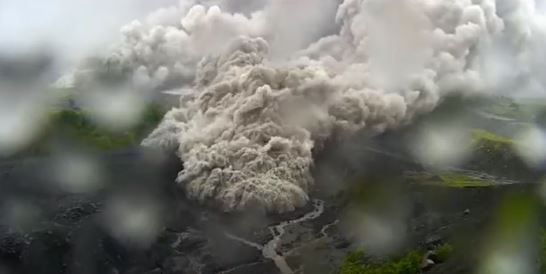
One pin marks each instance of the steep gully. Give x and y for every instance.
(269, 250)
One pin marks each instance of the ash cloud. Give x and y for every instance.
(163, 51)
(264, 87)
(70, 30)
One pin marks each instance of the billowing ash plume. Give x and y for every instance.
(163, 51)
(267, 90)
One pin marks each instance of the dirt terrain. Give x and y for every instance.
(68, 237)
(44, 229)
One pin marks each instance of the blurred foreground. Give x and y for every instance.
(91, 201)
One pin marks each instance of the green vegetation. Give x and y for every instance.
(410, 263)
(79, 127)
(443, 252)
(522, 110)
(489, 142)
(542, 253)
(480, 135)
(75, 126)
(503, 106)
(514, 231)
(496, 154)
(151, 117)
(492, 154)
(462, 181)
(452, 179)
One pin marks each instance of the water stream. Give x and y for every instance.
(269, 250)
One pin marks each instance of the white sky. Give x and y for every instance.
(71, 27)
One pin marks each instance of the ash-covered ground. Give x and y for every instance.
(372, 195)
(299, 136)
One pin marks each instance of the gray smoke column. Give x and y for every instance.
(163, 51)
(247, 128)
(264, 88)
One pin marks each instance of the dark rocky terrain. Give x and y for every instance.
(67, 236)
(52, 231)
